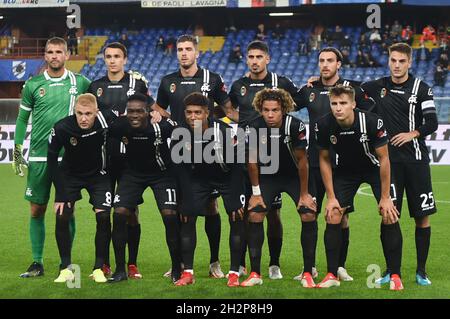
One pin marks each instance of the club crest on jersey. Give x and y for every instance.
(333, 139)
(243, 91)
(130, 92)
(287, 139)
(363, 138)
(73, 141)
(264, 139)
(379, 124)
(205, 87)
(383, 93)
(125, 140)
(312, 97)
(99, 92)
(73, 90)
(172, 88)
(41, 92)
(412, 99)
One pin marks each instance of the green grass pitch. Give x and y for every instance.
(153, 259)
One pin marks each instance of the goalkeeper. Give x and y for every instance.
(48, 97)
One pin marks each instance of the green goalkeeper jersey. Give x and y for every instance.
(48, 100)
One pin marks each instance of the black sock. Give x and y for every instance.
(119, 239)
(213, 229)
(244, 245)
(63, 239)
(255, 242)
(423, 236)
(134, 237)
(188, 235)
(392, 241)
(236, 243)
(344, 247)
(333, 243)
(309, 242)
(172, 227)
(274, 240)
(102, 236)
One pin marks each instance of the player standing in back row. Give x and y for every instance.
(48, 97)
(173, 89)
(406, 105)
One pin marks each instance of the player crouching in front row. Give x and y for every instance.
(83, 137)
(360, 140)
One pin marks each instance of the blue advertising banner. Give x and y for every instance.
(427, 3)
(19, 70)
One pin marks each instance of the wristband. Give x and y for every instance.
(256, 190)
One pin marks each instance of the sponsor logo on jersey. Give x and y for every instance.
(363, 138)
(99, 92)
(41, 92)
(312, 97)
(243, 91)
(172, 88)
(73, 141)
(333, 139)
(302, 126)
(398, 91)
(383, 92)
(125, 140)
(412, 99)
(379, 124)
(73, 90)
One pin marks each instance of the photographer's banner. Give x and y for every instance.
(19, 70)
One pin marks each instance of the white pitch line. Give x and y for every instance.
(362, 188)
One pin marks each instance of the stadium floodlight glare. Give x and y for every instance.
(281, 14)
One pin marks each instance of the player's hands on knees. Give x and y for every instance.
(255, 201)
(59, 207)
(403, 138)
(237, 215)
(19, 163)
(311, 80)
(332, 206)
(155, 117)
(307, 201)
(388, 210)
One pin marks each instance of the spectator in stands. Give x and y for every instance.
(360, 60)
(235, 54)
(72, 41)
(303, 46)
(423, 54)
(160, 44)
(386, 43)
(170, 44)
(260, 32)
(363, 43)
(278, 32)
(386, 30)
(316, 38)
(443, 60)
(346, 59)
(440, 75)
(125, 41)
(375, 36)
(428, 34)
(396, 30)
(338, 36)
(407, 35)
(443, 47)
(370, 60)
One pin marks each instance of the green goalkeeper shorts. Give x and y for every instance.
(38, 183)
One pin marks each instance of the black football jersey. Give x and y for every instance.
(354, 146)
(317, 101)
(84, 150)
(402, 107)
(243, 92)
(291, 136)
(174, 88)
(147, 150)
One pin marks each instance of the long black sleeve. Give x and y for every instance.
(54, 147)
(430, 125)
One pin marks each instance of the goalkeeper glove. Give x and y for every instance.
(19, 162)
(138, 76)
